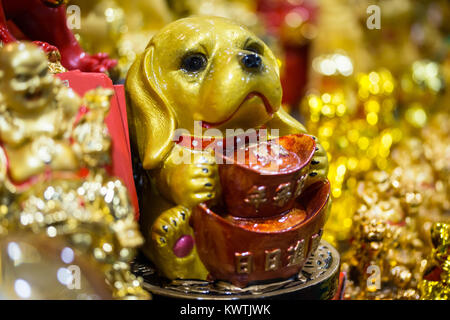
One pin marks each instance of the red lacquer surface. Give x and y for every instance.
(219, 239)
(116, 121)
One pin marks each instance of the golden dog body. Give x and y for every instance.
(204, 69)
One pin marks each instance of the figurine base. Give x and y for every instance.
(318, 280)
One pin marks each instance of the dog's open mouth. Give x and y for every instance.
(251, 95)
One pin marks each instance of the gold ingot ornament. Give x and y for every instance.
(210, 70)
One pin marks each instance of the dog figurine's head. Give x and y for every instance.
(206, 69)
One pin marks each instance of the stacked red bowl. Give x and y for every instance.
(268, 224)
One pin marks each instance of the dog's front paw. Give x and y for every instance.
(195, 183)
(173, 239)
(319, 165)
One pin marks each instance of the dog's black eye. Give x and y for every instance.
(194, 62)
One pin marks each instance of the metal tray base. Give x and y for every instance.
(318, 280)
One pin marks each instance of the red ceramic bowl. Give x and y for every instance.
(254, 188)
(245, 251)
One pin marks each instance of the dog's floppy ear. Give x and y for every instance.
(151, 120)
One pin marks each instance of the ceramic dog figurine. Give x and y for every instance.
(204, 69)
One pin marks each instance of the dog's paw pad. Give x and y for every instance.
(183, 246)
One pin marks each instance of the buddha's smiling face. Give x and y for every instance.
(25, 82)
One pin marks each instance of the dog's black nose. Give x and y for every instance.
(252, 62)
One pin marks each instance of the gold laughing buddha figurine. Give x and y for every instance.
(205, 69)
(37, 111)
(53, 179)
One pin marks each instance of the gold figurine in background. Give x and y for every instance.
(385, 245)
(241, 11)
(436, 282)
(120, 28)
(37, 112)
(52, 167)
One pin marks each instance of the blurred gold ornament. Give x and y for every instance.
(354, 123)
(52, 167)
(120, 28)
(333, 64)
(394, 119)
(54, 62)
(35, 266)
(421, 88)
(241, 11)
(426, 74)
(383, 235)
(424, 166)
(416, 193)
(436, 283)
